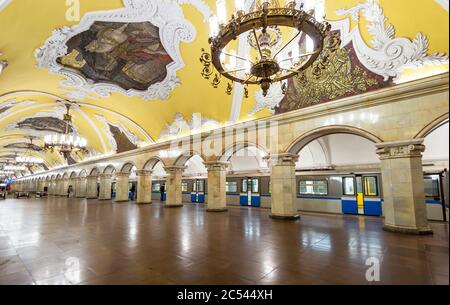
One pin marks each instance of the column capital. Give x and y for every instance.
(174, 169)
(216, 165)
(400, 149)
(282, 159)
(105, 175)
(121, 174)
(143, 172)
(92, 177)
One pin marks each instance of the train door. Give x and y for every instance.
(434, 200)
(250, 195)
(361, 195)
(132, 190)
(113, 189)
(198, 191)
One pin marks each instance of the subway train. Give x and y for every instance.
(330, 192)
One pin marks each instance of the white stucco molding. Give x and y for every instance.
(173, 28)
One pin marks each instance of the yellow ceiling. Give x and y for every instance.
(27, 24)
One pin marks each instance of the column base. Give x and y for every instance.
(285, 217)
(149, 202)
(412, 231)
(91, 197)
(104, 199)
(216, 210)
(172, 205)
(119, 201)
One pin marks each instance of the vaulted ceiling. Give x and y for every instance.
(133, 67)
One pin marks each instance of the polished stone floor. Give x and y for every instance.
(74, 241)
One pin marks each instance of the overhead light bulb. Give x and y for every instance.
(222, 11)
(239, 5)
(213, 26)
(319, 10)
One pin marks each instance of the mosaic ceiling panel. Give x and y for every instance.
(130, 55)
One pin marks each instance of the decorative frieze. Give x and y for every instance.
(401, 149)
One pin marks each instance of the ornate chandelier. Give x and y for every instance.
(284, 42)
(67, 142)
(29, 160)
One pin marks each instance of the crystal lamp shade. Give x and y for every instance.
(30, 160)
(65, 140)
(14, 168)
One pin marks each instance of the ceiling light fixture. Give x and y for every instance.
(276, 55)
(29, 160)
(68, 141)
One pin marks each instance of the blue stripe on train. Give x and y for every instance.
(316, 197)
(255, 201)
(349, 207)
(373, 208)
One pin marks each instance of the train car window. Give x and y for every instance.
(348, 184)
(244, 185)
(156, 187)
(255, 186)
(184, 187)
(200, 185)
(231, 187)
(431, 187)
(313, 187)
(370, 186)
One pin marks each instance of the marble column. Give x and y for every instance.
(105, 186)
(122, 187)
(54, 187)
(217, 178)
(91, 187)
(64, 187)
(403, 186)
(173, 186)
(144, 186)
(58, 187)
(80, 187)
(283, 186)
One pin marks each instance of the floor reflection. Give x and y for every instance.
(74, 241)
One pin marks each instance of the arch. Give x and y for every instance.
(296, 146)
(432, 126)
(54, 177)
(228, 152)
(110, 169)
(82, 173)
(65, 176)
(94, 172)
(48, 178)
(186, 155)
(437, 145)
(73, 174)
(59, 176)
(127, 167)
(151, 163)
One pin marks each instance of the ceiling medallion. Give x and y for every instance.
(66, 142)
(276, 55)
